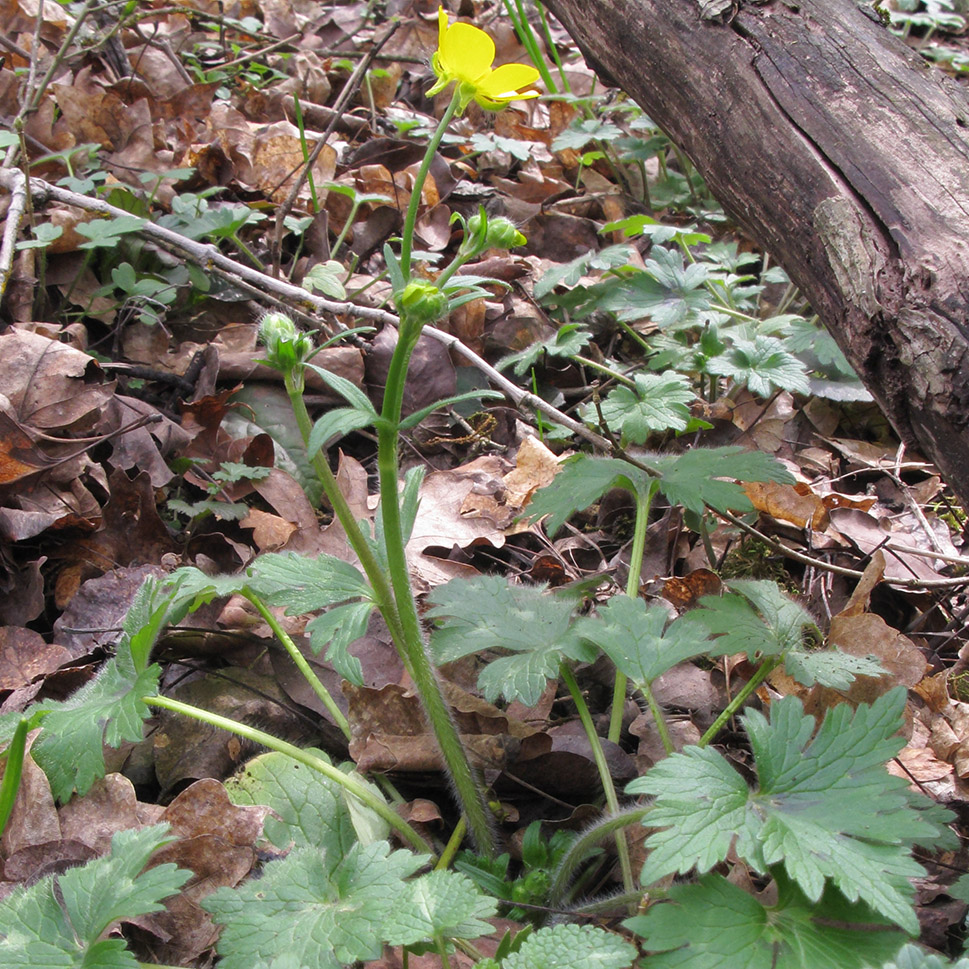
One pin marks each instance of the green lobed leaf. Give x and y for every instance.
(107, 710)
(567, 946)
(108, 232)
(568, 274)
(694, 478)
(336, 629)
(829, 667)
(763, 365)
(57, 922)
(145, 621)
(568, 341)
(309, 808)
(582, 481)
(775, 626)
(716, 925)
(304, 584)
(440, 904)
(664, 290)
(487, 612)
(825, 806)
(313, 908)
(659, 402)
(327, 278)
(634, 636)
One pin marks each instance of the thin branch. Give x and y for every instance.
(11, 226)
(261, 284)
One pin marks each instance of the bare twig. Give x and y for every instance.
(267, 287)
(11, 226)
(7, 44)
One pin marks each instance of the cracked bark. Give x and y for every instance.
(841, 152)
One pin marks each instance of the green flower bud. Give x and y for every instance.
(495, 233)
(502, 234)
(421, 303)
(286, 347)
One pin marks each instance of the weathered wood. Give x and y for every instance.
(841, 152)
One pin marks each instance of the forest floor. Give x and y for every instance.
(140, 431)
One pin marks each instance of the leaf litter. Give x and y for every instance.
(140, 432)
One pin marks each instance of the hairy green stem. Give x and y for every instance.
(765, 670)
(581, 848)
(643, 504)
(302, 665)
(383, 593)
(410, 220)
(414, 653)
(352, 786)
(605, 776)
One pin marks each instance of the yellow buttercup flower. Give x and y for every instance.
(464, 55)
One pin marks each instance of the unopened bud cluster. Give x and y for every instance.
(286, 346)
(499, 232)
(420, 303)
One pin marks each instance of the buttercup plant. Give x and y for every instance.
(464, 57)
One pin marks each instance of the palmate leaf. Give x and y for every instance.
(694, 478)
(658, 402)
(664, 290)
(825, 807)
(568, 946)
(303, 584)
(57, 922)
(775, 626)
(440, 904)
(568, 340)
(107, 710)
(487, 612)
(313, 908)
(568, 274)
(829, 667)
(632, 635)
(582, 481)
(336, 629)
(763, 364)
(716, 925)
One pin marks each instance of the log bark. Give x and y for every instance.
(841, 152)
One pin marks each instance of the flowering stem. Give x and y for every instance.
(410, 220)
(413, 650)
(383, 593)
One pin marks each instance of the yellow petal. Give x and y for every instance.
(503, 82)
(441, 26)
(466, 52)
